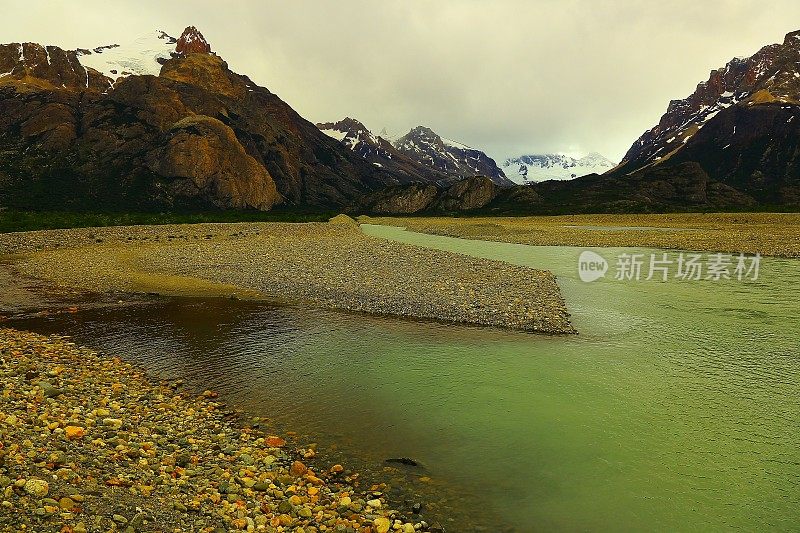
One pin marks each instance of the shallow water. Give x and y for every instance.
(676, 408)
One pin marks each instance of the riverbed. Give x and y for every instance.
(675, 408)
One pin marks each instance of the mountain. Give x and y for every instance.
(741, 126)
(452, 158)
(379, 151)
(421, 154)
(32, 66)
(543, 167)
(196, 136)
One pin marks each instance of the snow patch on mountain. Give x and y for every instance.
(144, 55)
(543, 167)
(335, 134)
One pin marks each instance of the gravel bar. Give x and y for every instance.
(330, 265)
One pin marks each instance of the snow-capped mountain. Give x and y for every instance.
(144, 55)
(453, 158)
(543, 167)
(421, 154)
(358, 138)
(379, 151)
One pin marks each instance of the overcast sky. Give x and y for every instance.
(505, 76)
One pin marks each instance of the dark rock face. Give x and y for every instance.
(755, 149)
(465, 195)
(199, 136)
(682, 187)
(380, 152)
(399, 199)
(740, 127)
(428, 148)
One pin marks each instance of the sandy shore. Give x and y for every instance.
(89, 443)
(769, 234)
(330, 265)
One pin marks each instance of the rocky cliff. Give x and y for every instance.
(465, 195)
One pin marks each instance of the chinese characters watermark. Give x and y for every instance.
(664, 266)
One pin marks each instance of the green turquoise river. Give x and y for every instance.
(676, 408)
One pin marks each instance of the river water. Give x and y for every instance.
(676, 408)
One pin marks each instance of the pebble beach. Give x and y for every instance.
(90, 443)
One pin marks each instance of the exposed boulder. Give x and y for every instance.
(466, 195)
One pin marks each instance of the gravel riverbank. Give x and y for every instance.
(331, 265)
(89, 443)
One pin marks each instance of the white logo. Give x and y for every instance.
(591, 266)
(681, 266)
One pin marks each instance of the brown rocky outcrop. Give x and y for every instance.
(399, 199)
(465, 195)
(203, 158)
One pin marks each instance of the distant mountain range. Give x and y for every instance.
(421, 153)
(543, 167)
(163, 123)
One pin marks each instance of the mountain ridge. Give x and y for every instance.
(424, 154)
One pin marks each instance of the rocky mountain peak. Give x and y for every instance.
(423, 132)
(346, 125)
(379, 151)
(452, 158)
(192, 41)
(792, 39)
